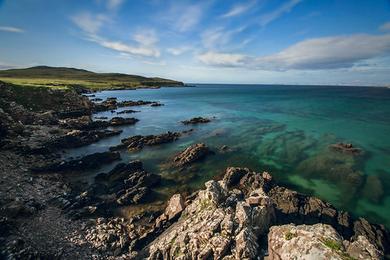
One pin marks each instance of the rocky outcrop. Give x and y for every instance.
(127, 111)
(219, 223)
(91, 161)
(112, 104)
(346, 148)
(86, 123)
(196, 120)
(318, 241)
(139, 141)
(191, 154)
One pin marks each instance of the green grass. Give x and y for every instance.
(289, 235)
(54, 77)
(337, 247)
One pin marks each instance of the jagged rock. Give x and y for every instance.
(90, 161)
(129, 182)
(196, 120)
(138, 142)
(319, 241)
(86, 123)
(127, 111)
(376, 234)
(210, 227)
(361, 248)
(192, 154)
(346, 148)
(118, 121)
(175, 206)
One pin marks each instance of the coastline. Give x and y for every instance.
(30, 196)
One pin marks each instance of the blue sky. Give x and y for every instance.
(250, 41)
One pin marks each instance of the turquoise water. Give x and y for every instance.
(285, 130)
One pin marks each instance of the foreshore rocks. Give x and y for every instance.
(91, 161)
(127, 111)
(192, 154)
(196, 120)
(86, 123)
(231, 218)
(137, 142)
(111, 104)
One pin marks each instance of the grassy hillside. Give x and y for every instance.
(59, 77)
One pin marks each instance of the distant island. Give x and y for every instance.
(62, 77)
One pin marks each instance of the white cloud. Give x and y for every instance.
(146, 37)
(90, 23)
(285, 8)
(114, 4)
(385, 27)
(179, 50)
(223, 59)
(313, 54)
(140, 50)
(11, 29)
(238, 9)
(188, 18)
(218, 36)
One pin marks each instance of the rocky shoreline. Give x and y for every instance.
(243, 215)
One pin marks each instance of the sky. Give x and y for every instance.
(343, 42)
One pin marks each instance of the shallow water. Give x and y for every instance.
(285, 130)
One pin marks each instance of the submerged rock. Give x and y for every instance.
(346, 148)
(196, 120)
(192, 154)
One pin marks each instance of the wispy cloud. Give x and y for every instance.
(90, 23)
(238, 9)
(11, 29)
(285, 8)
(385, 27)
(223, 59)
(144, 40)
(313, 54)
(146, 37)
(114, 4)
(137, 50)
(215, 37)
(188, 18)
(179, 50)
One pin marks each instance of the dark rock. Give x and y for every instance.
(91, 161)
(376, 234)
(192, 154)
(156, 104)
(196, 120)
(118, 121)
(127, 111)
(346, 148)
(138, 142)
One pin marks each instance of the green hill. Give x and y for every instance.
(70, 77)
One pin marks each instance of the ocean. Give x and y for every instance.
(285, 130)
